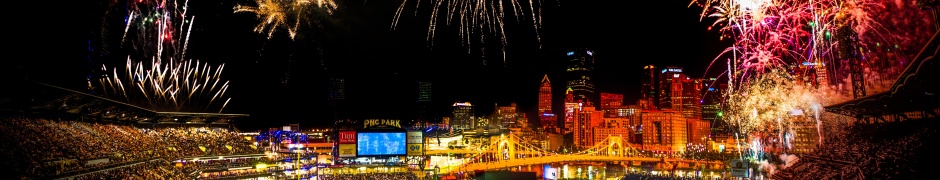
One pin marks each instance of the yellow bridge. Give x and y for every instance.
(507, 151)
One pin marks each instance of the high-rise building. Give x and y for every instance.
(712, 92)
(665, 90)
(424, 91)
(337, 98)
(549, 123)
(571, 107)
(611, 103)
(687, 97)
(463, 116)
(588, 118)
(663, 130)
(424, 101)
(580, 71)
(649, 96)
(337, 89)
(506, 115)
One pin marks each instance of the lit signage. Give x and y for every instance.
(347, 137)
(463, 104)
(347, 150)
(415, 137)
(548, 114)
(711, 89)
(415, 149)
(674, 70)
(381, 122)
(590, 53)
(570, 53)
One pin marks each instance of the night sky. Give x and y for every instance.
(281, 81)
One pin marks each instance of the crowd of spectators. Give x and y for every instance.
(155, 169)
(871, 151)
(371, 176)
(48, 148)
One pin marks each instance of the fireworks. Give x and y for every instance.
(790, 58)
(161, 28)
(287, 14)
(476, 18)
(184, 86)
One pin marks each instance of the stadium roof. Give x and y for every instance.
(52, 101)
(916, 90)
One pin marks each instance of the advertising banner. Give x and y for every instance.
(415, 149)
(415, 137)
(739, 168)
(347, 137)
(347, 150)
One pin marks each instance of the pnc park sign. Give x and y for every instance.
(381, 123)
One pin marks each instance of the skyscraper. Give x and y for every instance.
(424, 101)
(463, 116)
(547, 119)
(337, 97)
(649, 98)
(687, 97)
(580, 71)
(665, 90)
(424, 91)
(571, 108)
(712, 92)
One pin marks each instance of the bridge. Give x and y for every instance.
(507, 151)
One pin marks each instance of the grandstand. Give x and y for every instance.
(58, 133)
(894, 136)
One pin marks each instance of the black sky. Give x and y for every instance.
(280, 80)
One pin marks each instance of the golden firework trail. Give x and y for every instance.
(286, 14)
(475, 19)
(170, 86)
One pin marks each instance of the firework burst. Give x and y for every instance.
(170, 86)
(477, 18)
(159, 30)
(286, 14)
(777, 41)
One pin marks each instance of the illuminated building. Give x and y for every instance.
(580, 70)
(712, 92)
(424, 101)
(586, 120)
(610, 103)
(663, 130)
(549, 123)
(463, 116)
(665, 90)
(570, 108)
(611, 100)
(687, 97)
(424, 91)
(698, 131)
(506, 115)
(649, 97)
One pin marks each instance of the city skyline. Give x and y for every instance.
(281, 81)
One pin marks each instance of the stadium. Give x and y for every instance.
(58, 133)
